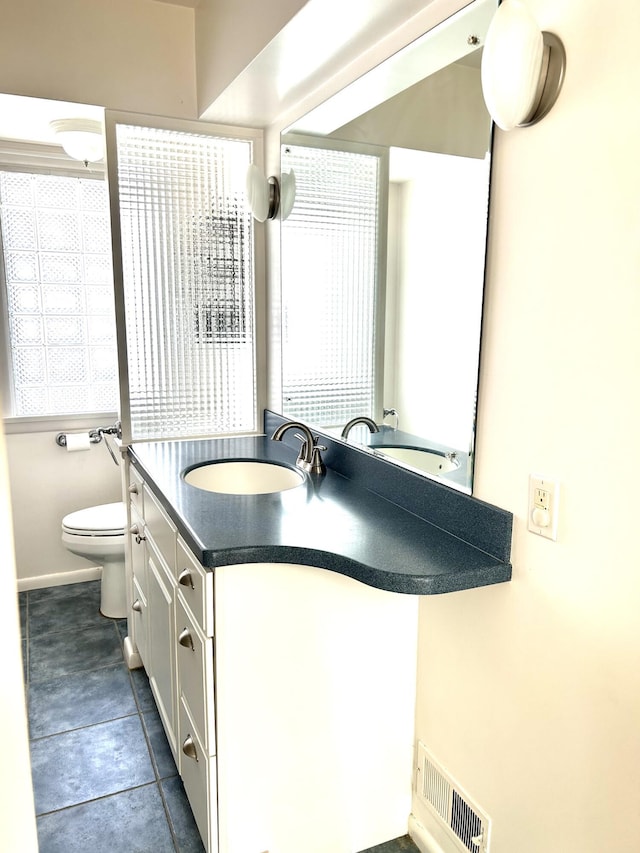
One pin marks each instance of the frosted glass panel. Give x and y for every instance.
(60, 300)
(187, 246)
(329, 257)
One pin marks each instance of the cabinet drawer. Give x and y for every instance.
(199, 778)
(195, 675)
(160, 529)
(196, 586)
(135, 489)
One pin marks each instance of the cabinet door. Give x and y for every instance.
(195, 675)
(138, 623)
(199, 777)
(137, 642)
(161, 652)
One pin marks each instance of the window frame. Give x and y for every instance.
(44, 160)
(381, 271)
(256, 139)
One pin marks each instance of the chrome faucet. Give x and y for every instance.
(372, 425)
(309, 458)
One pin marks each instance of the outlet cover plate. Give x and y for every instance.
(542, 507)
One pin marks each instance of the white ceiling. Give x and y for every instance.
(27, 119)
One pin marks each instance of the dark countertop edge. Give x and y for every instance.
(493, 572)
(408, 584)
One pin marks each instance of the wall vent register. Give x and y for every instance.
(466, 825)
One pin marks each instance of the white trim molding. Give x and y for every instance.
(60, 578)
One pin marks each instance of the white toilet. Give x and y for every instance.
(97, 533)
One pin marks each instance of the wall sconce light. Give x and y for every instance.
(522, 67)
(263, 194)
(81, 138)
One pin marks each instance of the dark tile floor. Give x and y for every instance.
(103, 775)
(104, 778)
(398, 845)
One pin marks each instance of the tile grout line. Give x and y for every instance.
(81, 728)
(154, 764)
(96, 799)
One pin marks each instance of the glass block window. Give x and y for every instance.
(56, 248)
(329, 275)
(187, 247)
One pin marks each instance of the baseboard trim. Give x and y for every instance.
(93, 573)
(422, 838)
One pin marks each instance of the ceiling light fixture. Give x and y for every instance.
(81, 138)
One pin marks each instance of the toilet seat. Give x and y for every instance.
(103, 520)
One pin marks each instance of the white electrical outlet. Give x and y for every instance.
(544, 498)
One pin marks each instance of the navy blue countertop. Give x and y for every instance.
(332, 521)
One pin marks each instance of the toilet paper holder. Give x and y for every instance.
(95, 435)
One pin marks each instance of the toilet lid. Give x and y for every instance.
(103, 520)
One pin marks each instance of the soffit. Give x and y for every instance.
(318, 45)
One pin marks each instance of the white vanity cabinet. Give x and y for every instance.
(139, 628)
(136, 645)
(171, 628)
(160, 587)
(196, 694)
(287, 693)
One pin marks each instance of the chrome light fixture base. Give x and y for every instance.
(274, 197)
(554, 60)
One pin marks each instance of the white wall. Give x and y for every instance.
(438, 296)
(229, 35)
(17, 821)
(47, 482)
(529, 693)
(132, 55)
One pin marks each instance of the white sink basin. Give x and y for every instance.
(425, 460)
(243, 477)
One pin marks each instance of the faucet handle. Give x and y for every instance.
(303, 448)
(317, 465)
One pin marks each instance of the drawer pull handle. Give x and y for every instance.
(189, 748)
(185, 639)
(133, 489)
(185, 578)
(137, 606)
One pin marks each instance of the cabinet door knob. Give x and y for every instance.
(185, 578)
(134, 530)
(137, 606)
(133, 489)
(185, 639)
(189, 748)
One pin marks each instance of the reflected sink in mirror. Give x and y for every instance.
(429, 461)
(243, 477)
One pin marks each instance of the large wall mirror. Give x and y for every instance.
(384, 219)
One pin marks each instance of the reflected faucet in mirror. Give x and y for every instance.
(393, 413)
(372, 425)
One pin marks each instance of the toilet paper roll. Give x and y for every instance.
(78, 441)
